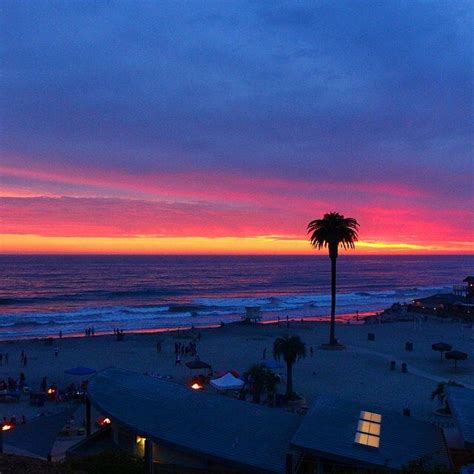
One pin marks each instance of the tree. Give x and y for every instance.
(291, 349)
(271, 381)
(330, 232)
(256, 380)
(439, 393)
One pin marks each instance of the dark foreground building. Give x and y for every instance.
(184, 430)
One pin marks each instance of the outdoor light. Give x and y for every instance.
(103, 421)
(196, 386)
(6, 427)
(140, 440)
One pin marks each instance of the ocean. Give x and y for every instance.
(41, 295)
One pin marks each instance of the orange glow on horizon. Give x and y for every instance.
(260, 245)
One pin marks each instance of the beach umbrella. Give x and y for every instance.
(197, 364)
(455, 355)
(272, 364)
(81, 371)
(442, 347)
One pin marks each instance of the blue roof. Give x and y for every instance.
(38, 436)
(329, 430)
(461, 403)
(211, 425)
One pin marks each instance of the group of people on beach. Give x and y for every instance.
(89, 331)
(13, 421)
(180, 350)
(10, 385)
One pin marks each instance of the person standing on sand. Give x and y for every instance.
(311, 351)
(264, 355)
(25, 361)
(56, 351)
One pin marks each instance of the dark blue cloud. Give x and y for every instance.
(315, 90)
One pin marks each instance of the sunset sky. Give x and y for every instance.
(224, 127)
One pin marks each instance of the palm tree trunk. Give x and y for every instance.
(289, 380)
(332, 333)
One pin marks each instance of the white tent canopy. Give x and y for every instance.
(227, 382)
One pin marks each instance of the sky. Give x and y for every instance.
(225, 127)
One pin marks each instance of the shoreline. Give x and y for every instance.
(344, 318)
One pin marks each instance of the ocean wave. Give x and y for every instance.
(201, 310)
(93, 295)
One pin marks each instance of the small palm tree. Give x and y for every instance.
(331, 231)
(292, 349)
(256, 379)
(439, 393)
(271, 381)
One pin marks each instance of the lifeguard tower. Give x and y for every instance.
(253, 314)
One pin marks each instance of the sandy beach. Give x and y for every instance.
(360, 372)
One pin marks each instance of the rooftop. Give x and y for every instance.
(441, 298)
(332, 429)
(204, 423)
(461, 402)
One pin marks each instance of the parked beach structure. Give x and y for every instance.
(179, 428)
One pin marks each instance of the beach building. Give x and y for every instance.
(348, 435)
(460, 401)
(182, 429)
(459, 303)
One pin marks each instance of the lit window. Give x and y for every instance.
(368, 429)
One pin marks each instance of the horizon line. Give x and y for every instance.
(88, 254)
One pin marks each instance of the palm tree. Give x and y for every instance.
(256, 379)
(292, 349)
(331, 231)
(439, 393)
(271, 381)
